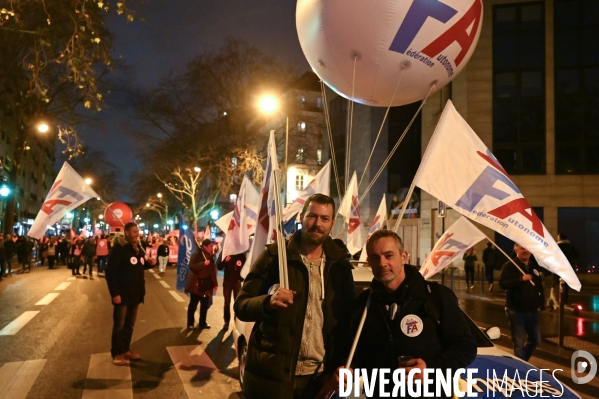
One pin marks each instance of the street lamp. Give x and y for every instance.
(43, 127)
(197, 170)
(268, 104)
(100, 217)
(4, 190)
(88, 181)
(159, 195)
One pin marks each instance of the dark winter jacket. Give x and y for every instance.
(274, 344)
(490, 257)
(520, 295)
(125, 272)
(89, 248)
(232, 268)
(442, 338)
(163, 250)
(201, 279)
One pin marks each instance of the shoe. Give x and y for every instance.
(226, 326)
(120, 360)
(472, 287)
(490, 287)
(205, 326)
(191, 327)
(132, 356)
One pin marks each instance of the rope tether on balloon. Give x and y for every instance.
(350, 120)
(396, 145)
(382, 125)
(330, 135)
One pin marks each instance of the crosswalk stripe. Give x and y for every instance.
(72, 278)
(164, 284)
(17, 378)
(14, 326)
(177, 296)
(157, 276)
(62, 286)
(47, 299)
(151, 271)
(107, 381)
(194, 365)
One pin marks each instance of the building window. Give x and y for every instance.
(519, 87)
(576, 87)
(319, 157)
(299, 182)
(301, 126)
(299, 157)
(233, 198)
(581, 226)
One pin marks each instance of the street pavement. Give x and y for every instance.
(55, 340)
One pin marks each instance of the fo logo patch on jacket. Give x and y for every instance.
(411, 325)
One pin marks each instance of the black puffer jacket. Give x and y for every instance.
(520, 295)
(274, 344)
(125, 272)
(447, 344)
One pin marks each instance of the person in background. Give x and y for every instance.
(469, 260)
(63, 249)
(490, 259)
(25, 249)
(10, 247)
(102, 249)
(2, 256)
(523, 301)
(51, 253)
(162, 255)
(75, 255)
(232, 266)
(201, 283)
(89, 252)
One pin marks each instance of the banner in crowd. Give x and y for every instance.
(242, 220)
(377, 224)
(321, 184)
(187, 246)
(67, 193)
(451, 246)
(350, 210)
(459, 170)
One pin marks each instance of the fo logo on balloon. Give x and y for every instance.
(411, 45)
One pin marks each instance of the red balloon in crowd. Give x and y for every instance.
(116, 211)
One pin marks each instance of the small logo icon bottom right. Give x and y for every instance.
(580, 366)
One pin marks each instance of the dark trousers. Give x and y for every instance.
(51, 260)
(524, 323)
(123, 318)
(228, 289)
(194, 299)
(2, 268)
(101, 263)
(469, 275)
(76, 265)
(89, 260)
(489, 273)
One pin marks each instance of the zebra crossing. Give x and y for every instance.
(198, 375)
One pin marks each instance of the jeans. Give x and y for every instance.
(489, 273)
(524, 323)
(203, 300)
(228, 289)
(162, 262)
(123, 318)
(101, 263)
(469, 275)
(89, 260)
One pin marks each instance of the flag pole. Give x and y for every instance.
(405, 206)
(283, 275)
(511, 260)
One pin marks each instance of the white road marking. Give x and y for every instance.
(164, 284)
(62, 286)
(19, 323)
(157, 276)
(177, 296)
(105, 380)
(198, 373)
(72, 278)
(151, 271)
(47, 299)
(17, 378)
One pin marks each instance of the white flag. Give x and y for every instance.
(451, 246)
(238, 239)
(350, 211)
(319, 185)
(459, 170)
(264, 225)
(67, 193)
(377, 224)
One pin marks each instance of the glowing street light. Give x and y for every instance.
(268, 104)
(197, 170)
(69, 215)
(170, 222)
(156, 226)
(100, 217)
(147, 204)
(159, 195)
(88, 181)
(43, 127)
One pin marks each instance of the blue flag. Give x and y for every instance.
(187, 246)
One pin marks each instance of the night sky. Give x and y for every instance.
(166, 34)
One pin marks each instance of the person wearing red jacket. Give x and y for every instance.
(201, 283)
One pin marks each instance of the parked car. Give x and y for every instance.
(489, 358)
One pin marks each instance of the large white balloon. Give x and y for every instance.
(430, 40)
